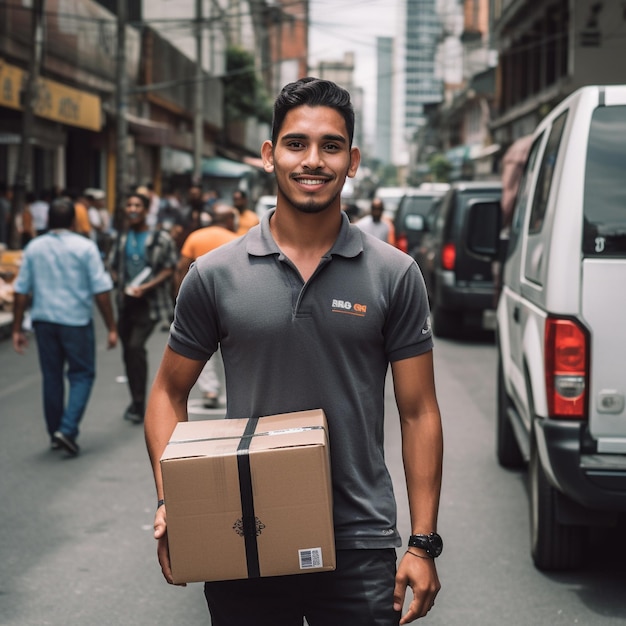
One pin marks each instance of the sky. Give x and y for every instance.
(339, 26)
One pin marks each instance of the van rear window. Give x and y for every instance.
(605, 191)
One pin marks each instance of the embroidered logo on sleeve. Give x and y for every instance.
(426, 330)
(345, 306)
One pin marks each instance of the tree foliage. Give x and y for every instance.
(440, 168)
(244, 94)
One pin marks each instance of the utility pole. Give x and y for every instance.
(121, 107)
(198, 124)
(23, 172)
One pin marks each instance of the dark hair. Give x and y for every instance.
(312, 92)
(144, 199)
(61, 214)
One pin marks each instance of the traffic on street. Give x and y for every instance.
(77, 545)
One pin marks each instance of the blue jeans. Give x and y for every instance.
(58, 346)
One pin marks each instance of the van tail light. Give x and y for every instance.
(448, 256)
(567, 368)
(402, 243)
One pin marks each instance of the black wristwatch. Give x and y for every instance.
(432, 544)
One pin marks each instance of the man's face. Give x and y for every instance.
(239, 201)
(311, 158)
(135, 211)
(377, 210)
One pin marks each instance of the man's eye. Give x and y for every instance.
(331, 147)
(296, 145)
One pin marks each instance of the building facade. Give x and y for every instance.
(546, 51)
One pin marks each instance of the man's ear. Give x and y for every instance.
(267, 154)
(355, 160)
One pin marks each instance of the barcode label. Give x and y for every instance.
(310, 558)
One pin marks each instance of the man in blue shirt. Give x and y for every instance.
(63, 272)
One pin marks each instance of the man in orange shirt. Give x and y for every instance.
(82, 224)
(247, 217)
(223, 229)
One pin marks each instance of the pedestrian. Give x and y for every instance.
(222, 230)
(24, 220)
(170, 219)
(247, 217)
(63, 273)
(376, 224)
(309, 312)
(83, 225)
(192, 210)
(39, 210)
(142, 264)
(99, 219)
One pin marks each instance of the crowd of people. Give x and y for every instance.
(73, 256)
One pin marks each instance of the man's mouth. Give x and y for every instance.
(311, 182)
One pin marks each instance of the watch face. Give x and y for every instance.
(436, 545)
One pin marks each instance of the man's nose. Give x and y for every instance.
(313, 158)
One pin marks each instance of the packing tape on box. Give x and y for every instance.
(268, 433)
(247, 499)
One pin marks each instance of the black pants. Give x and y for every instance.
(134, 328)
(358, 593)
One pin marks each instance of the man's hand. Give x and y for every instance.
(421, 575)
(111, 339)
(163, 550)
(20, 341)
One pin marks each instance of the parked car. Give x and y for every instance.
(560, 325)
(459, 282)
(410, 217)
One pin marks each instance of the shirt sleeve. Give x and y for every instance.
(100, 278)
(407, 330)
(194, 332)
(23, 284)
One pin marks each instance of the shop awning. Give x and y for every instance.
(148, 131)
(219, 167)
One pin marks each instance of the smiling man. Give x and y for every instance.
(309, 312)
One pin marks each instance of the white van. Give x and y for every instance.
(561, 325)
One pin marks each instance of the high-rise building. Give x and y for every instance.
(384, 100)
(417, 81)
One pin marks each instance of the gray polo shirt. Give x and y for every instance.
(291, 346)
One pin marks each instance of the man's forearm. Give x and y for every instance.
(103, 302)
(422, 451)
(20, 302)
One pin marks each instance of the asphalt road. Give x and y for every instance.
(76, 545)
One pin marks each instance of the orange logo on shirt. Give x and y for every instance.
(345, 306)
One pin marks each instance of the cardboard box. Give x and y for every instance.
(249, 497)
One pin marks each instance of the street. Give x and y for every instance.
(77, 547)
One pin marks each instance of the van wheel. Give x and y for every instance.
(445, 323)
(507, 448)
(554, 546)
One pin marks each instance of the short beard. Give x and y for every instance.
(310, 207)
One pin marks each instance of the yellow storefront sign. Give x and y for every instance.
(54, 101)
